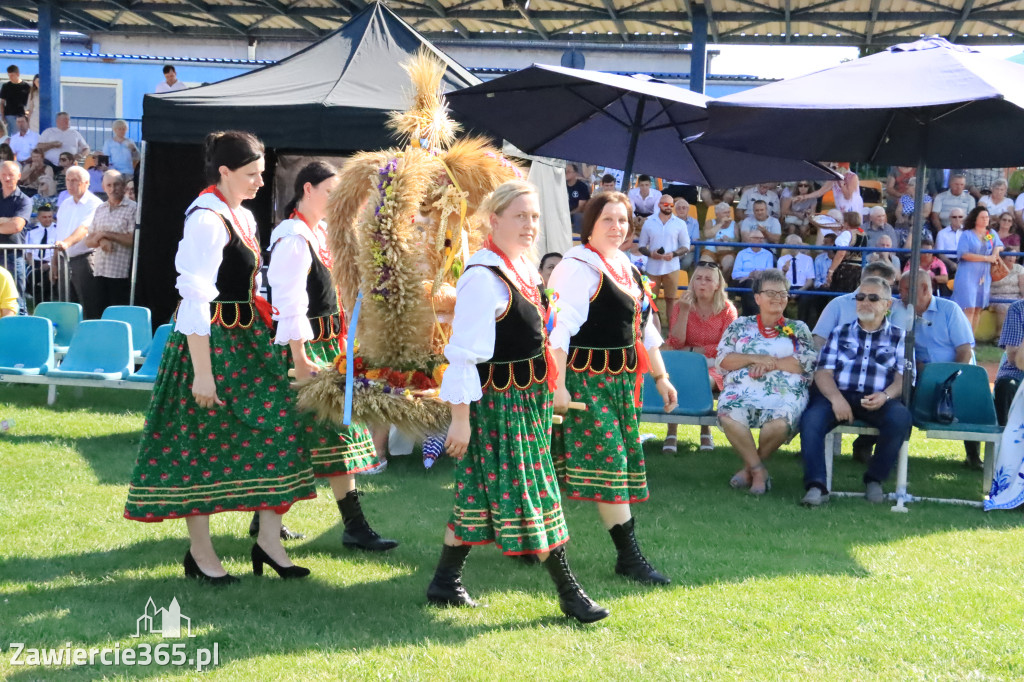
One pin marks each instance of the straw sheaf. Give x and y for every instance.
(392, 331)
(324, 396)
(479, 169)
(348, 203)
(427, 118)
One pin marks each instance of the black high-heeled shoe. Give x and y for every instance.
(260, 557)
(192, 570)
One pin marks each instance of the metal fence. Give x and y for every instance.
(96, 131)
(40, 271)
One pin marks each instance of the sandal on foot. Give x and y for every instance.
(741, 479)
(756, 489)
(670, 444)
(707, 442)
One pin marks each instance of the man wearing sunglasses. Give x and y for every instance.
(859, 376)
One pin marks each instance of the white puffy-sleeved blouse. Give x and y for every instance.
(199, 256)
(575, 280)
(480, 297)
(290, 262)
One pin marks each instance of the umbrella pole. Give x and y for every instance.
(916, 225)
(634, 136)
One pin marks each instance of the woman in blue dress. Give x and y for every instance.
(978, 249)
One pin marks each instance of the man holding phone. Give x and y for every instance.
(663, 239)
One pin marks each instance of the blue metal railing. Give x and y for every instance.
(96, 131)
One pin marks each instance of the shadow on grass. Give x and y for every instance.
(71, 398)
(110, 456)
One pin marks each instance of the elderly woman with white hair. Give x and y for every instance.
(997, 203)
(722, 228)
(74, 218)
(122, 151)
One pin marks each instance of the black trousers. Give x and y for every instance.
(112, 291)
(1005, 390)
(83, 287)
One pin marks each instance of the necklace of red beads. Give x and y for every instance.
(527, 289)
(320, 234)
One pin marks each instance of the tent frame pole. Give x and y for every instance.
(634, 136)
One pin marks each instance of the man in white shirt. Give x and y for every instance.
(948, 239)
(23, 140)
(762, 192)
(62, 138)
(749, 262)
(956, 196)
(44, 232)
(171, 82)
(761, 221)
(74, 218)
(663, 238)
(798, 268)
(644, 199)
(682, 211)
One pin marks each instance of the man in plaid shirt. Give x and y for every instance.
(859, 376)
(112, 236)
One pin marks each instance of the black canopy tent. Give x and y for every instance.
(331, 98)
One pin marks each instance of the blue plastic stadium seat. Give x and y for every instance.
(140, 320)
(147, 373)
(26, 345)
(973, 407)
(65, 317)
(102, 349)
(689, 374)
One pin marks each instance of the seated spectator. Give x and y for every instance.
(941, 334)
(1009, 287)
(933, 266)
(904, 212)
(800, 204)
(878, 227)
(607, 183)
(896, 185)
(696, 323)
(981, 181)
(67, 160)
(956, 197)
(749, 264)
(798, 268)
(111, 236)
(845, 271)
(663, 239)
(767, 361)
(846, 195)
(23, 140)
(765, 192)
(38, 261)
(681, 208)
(1011, 365)
(60, 139)
(121, 151)
(644, 198)
(8, 294)
(884, 242)
(859, 376)
(6, 153)
(547, 264)
(721, 228)
(761, 221)
(843, 309)
(35, 170)
(96, 172)
(46, 194)
(579, 194)
(129, 190)
(997, 202)
(1007, 230)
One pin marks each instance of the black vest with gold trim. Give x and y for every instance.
(606, 341)
(324, 308)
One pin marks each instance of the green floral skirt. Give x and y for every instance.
(243, 456)
(506, 491)
(597, 451)
(349, 451)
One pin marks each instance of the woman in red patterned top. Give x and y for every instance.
(697, 322)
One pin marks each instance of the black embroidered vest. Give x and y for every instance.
(324, 309)
(606, 341)
(519, 359)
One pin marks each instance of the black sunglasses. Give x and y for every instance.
(874, 298)
(707, 264)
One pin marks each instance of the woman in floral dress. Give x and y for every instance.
(499, 384)
(307, 308)
(220, 430)
(769, 360)
(603, 342)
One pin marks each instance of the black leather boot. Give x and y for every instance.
(446, 588)
(286, 533)
(573, 601)
(631, 562)
(358, 534)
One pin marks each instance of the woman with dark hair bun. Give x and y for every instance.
(221, 427)
(310, 322)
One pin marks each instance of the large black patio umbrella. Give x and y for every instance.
(929, 103)
(618, 121)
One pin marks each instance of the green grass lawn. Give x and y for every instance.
(762, 588)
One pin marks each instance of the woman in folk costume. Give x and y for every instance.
(602, 343)
(310, 322)
(499, 386)
(220, 431)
